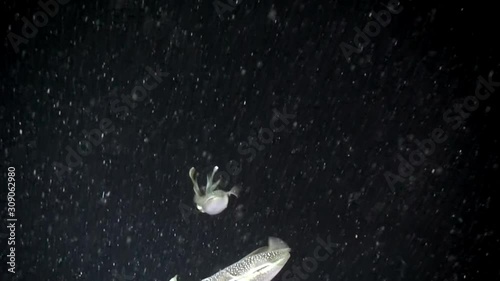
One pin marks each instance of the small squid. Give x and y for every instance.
(208, 199)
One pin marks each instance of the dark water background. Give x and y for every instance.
(126, 213)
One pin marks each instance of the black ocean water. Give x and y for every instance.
(361, 133)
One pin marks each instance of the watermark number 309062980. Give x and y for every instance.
(11, 220)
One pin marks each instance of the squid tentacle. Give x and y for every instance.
(196, 187)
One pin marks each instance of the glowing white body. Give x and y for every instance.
(210, 200)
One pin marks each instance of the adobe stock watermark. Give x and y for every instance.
(321, 253)
(257, 141)
(120, 106)
(221, 7)
(40, 19)
(455, 118)
(121, 276)
(371, 29)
